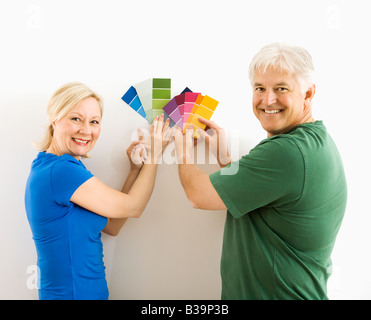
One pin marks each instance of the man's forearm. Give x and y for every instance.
(189, 174)
(196, 183)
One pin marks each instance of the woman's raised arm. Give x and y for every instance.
(97, 197)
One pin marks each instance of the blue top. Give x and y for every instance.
(67, 236)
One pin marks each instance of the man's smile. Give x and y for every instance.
(272, 111)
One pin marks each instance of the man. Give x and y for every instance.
(287, 199)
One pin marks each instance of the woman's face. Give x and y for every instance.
(77, 132)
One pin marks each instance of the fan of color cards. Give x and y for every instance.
(149, 97)
(152, 97)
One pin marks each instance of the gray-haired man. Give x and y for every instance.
(287, 200)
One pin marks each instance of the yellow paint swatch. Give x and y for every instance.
(205, 109)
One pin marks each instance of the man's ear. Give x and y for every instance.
(309, 94)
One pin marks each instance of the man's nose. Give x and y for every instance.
(269, 97)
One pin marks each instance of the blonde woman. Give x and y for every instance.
(67, 207)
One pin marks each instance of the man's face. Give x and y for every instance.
(277, 100)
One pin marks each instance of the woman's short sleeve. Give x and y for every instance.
(66, 176)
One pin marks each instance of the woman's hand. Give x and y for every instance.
(161, 135)
(216, 140)
(137, 152)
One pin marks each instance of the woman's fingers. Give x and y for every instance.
(166, 125)
(140, 134)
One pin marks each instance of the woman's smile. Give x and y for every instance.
(77, 132)
(80, 142)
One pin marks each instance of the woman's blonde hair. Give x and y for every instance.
(61, 103)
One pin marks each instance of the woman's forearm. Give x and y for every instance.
(142, 188)
(132, 176)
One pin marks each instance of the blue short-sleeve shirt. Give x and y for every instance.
(67, 236)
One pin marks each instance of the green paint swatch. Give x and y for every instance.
(161, 94)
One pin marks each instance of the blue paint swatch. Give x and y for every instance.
(186, 89)
(132, 99)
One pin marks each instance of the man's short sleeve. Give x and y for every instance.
(272, 174)
(66, 176)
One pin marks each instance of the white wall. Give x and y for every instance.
(173, 251)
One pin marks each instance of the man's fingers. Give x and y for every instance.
(204, 135)
(210, 124)
(189, 132)
(178, 135)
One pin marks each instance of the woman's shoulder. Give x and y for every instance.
(49, 162)
(68, 162)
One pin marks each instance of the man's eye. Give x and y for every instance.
(282, 89)
(259, 89)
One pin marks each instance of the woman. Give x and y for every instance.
(67, 207)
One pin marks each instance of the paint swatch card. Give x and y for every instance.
(161, 95)
(189, 101)
(186, 89)
(193, 111)
(152, 97)
(172, 110)
(144, 90)
(205, 109)
(154, 94)
(132, 99)
(180, 102)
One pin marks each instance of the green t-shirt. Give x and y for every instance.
(285, 206)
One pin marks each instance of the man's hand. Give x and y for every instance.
(216, 140)
(184, 145)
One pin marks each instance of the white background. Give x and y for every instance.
(173, 251)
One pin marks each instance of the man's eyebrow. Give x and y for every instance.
(282, 84)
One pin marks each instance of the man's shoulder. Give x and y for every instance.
(278, 146)
(304, 137)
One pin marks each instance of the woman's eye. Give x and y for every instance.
(95, 122)
(75, 119)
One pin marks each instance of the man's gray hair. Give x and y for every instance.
(284, 58)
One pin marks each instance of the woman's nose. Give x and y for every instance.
(85, 128)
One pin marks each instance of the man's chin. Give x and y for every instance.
(272, 131)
